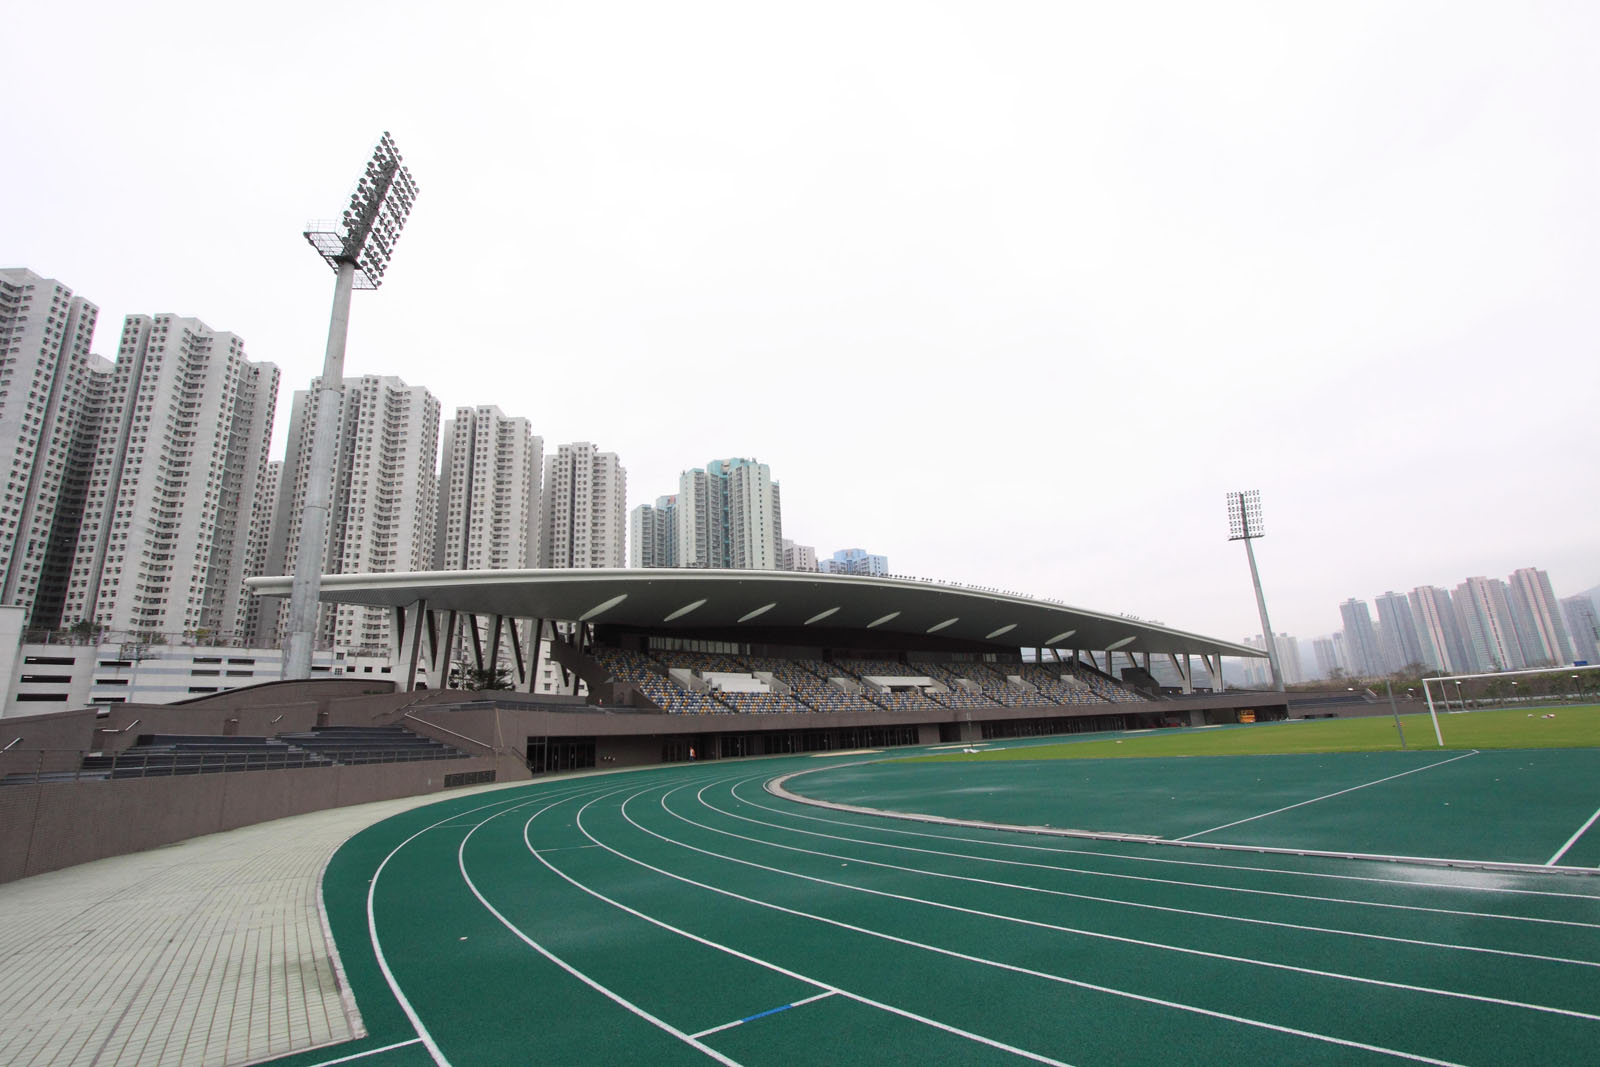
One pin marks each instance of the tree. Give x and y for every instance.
(481, 678)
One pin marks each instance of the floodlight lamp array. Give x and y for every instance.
(371, 225)
(1244, 515)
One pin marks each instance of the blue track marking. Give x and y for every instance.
(762, 1014)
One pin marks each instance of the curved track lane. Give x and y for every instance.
(684, 914)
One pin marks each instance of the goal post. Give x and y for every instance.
(1534, 686)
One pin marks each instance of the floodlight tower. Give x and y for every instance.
(1244, 524)
(358, 248)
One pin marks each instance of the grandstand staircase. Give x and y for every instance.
(168, 755)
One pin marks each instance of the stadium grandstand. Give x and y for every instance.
(661, 666)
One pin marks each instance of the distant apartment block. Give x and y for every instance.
(1361, 640)
(1438, 630)
(653, 534)
(855, 561)
(584, 521)
(169, 511)
(1483, 607)
(1583, 627)
(1329, 656)
(798, 557)
(1397, 631)
(382, 515)
(1287, 649)
(489, 479)
(1536, 614)
(727, 514)
(52, 391)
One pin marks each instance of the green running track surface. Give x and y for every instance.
(686, 915)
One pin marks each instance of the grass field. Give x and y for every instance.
(1573, 726)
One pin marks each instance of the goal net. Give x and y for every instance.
(1513, 689)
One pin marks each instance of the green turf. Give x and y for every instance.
(1569, 727)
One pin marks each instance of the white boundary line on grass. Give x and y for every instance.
(1328, 796)
(776, 787)
(1573, 840)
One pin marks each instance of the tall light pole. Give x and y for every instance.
(1244, 524)
(358, 249)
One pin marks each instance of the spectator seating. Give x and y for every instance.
(638, 669)
(371, 744)
(808, 684)
(1061, 688)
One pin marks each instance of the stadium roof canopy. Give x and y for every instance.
(763, 603)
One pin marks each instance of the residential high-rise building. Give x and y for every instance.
(1439, 630)
(584, 508)
(798, 557)
(1583, 627)
(169, 515)
(855, 561)
(50, 391)
(1287, 649)
(1361, 640)
(257, 552)
(727, 514)
(1488, 629)
(382, 514)
(1541, 630)
(489, 479)
(1328, 657)
(1399, 640)
(653, 534)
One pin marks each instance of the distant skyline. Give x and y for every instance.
(1013, 296)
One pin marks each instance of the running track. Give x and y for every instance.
(685, 914)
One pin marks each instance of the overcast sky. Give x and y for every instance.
(1012, 293)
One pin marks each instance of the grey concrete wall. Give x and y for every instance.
(54, 825)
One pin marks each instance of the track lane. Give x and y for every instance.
(965, 970)
(1137, 967)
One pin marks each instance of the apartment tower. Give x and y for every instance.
(170, 510)
(52, 392)
(489, 477)
(584, 520)
(382, 513)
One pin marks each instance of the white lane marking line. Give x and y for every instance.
(1329, 796)
(1098, 935)
(377, 949)
(768, 964)
(604, 991)
(1245, 890)
(369, 1052)
(1133, 858)
(998, 965)
(1573, 840)
(764, 1014)
(1087, 896)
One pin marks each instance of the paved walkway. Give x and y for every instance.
(210, 951)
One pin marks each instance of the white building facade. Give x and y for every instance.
(490, 471)
(51, 392)
(382, 515)
(170, 507)
(584, 522)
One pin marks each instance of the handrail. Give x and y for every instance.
(114, 730)
(452, 733)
